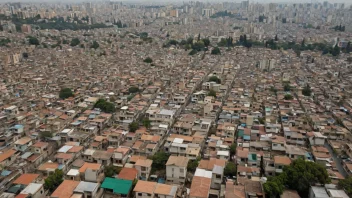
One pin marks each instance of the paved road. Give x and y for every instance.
(336, 160)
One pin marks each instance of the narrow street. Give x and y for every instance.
(337, 160)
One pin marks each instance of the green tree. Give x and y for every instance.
(133, 90)
(111, 170)
(45, 134)
(133, 126)
(193, 52)
(287, 87)
(346, 185)
(94, 45)
(348, 47)
(54, 180)
(173, 42)
(199, 46)
(143, 35)
(65, 93)
(105, 106)
(233, 149)
(303, 43)
(214, 79)
(33, 41)
(306, 91)
(193, 164)
(288, 97)
(273, 89)
(216, 51)
(206, 42)
(301, 174)
(273, 189)
(335, 51)
(262, 169)
(212, 93)
(75, 42)
(146, 123)
(230, 169)
(159, 160)
(148, 60)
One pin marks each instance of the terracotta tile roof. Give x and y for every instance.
(48, 165)
(75, 149)
(23, 140)
(65, 190)
(87, 165)
(26, 178)
(163, 189)
(135, 158)
(145, 187)
(179, 161)
(282, 160)
(128, 173)
(144, 162)
(6, 154)
(200, 187)
(40, 144)
(122, 150)
(64, 156)
(209, 164)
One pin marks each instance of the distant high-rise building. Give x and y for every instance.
(174, 13)
(207, 12)
(190, 10)
(325, 4)
(245, 4)
(26, 28)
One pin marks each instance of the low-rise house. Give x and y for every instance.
(278, 143)
(49, 168)
(116, 187)
(65, 189)
(176, 169)
(200, 186)
(27, 178)
(40, 148)
(87, 155)
(280, 162)
(64, 159)
(165, 191)
(128, 174)
(146, 189)
(316, 138)
(216, 166)
(120, 156)
(295, 152)
(91, 172)
(102, 157)
(7, 157)
(23, 144)
(34, 190)
(86, 190)
(143, 166)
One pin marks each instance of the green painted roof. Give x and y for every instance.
(119, 186)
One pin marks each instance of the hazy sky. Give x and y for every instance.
(178, 1)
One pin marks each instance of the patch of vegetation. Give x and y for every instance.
(65, 93)
(105, 106)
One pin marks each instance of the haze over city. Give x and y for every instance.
(175, 99)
